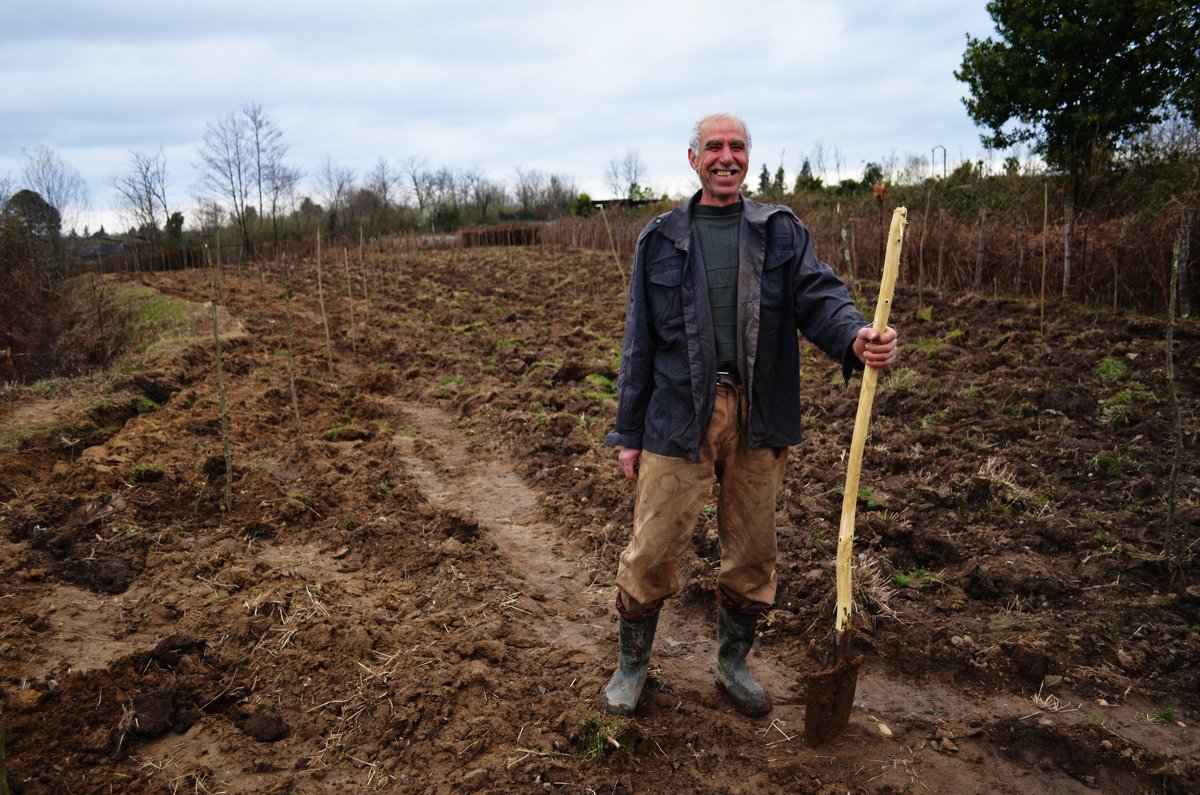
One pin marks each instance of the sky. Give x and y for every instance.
(561, 87)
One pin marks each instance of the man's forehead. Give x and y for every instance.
(722, 129)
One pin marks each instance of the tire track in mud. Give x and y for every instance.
(576, 595)
(473, 480)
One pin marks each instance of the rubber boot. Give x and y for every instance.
(623, 690)
(735, 636)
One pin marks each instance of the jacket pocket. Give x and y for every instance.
(773, 294)
(665, 277)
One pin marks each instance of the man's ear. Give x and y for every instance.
(692, 158)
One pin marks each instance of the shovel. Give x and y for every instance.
(831, 692)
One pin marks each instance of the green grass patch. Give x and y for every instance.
(1110, 370)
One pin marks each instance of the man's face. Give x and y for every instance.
(721, 162)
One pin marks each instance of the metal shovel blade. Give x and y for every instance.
(829, 700)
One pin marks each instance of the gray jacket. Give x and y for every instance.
(667, 383)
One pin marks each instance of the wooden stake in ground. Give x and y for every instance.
(321, 300)
(349, 296)
(613, 244)
(291, 361)
(1181, 242)
(226, 444)
(1045, 232)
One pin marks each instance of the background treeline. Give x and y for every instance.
(1101, 211)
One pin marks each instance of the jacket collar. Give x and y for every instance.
(677, 224)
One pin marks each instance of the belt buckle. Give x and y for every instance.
(728, 379)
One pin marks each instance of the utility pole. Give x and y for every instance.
(933, 160)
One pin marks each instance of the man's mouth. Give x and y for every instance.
(724, 172)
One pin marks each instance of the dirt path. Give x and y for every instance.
(474, 479)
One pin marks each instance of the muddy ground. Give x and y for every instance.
(412, 588)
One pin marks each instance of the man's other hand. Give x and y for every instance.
(629, 458)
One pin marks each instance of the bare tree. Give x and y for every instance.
(227, 169)
(484, 194)
(335, 185)
(142, 190)
(281, 181)
(624, 175)
(420, 182)
(382, 183)
(210, 216)
(59, 183)
(266, 148)
(530, 187)
(818, 159)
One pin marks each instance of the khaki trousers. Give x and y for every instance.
(670, 493)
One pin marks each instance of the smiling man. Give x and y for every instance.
(709, 390)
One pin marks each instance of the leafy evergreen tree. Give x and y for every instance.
(1077, 77)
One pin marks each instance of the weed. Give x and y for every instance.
(1109, 370)
(146, 473)
(144, 405)
(914, 579)
(216, 600)
(1111, 464)
(600, 735)
(864, 493)
(607, 391)
(900, 377)
(934, 418)
(345, 433)
(1118, 406)
(925, 314)
(126, 530)
(929, 346)
(1165, 716)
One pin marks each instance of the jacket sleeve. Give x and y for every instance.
(635, 380)
(825, 313)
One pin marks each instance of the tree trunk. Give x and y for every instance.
(1185, 289)
(979, 250)
(1068, 228)
(1022, 221)
(1181, 245)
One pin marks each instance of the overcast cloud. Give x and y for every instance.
(537, 84)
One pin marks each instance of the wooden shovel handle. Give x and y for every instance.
(862, 422)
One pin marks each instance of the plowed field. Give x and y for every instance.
(411, 590)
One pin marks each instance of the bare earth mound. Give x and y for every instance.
(411, 591)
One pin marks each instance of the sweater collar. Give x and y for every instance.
(677, 225)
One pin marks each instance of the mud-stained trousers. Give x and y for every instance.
(670, 493)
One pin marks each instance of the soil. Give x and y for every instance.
(411, 590)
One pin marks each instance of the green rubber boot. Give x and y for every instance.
(623, 690)
(735, 636)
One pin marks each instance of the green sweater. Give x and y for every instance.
(717, 228)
